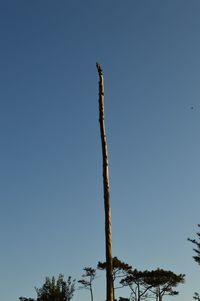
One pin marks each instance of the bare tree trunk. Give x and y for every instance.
(91, 292)
(108, 227)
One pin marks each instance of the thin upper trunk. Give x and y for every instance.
(108, 228)
(91, 292)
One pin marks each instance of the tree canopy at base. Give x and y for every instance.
(54, 290)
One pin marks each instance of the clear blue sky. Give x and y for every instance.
(51, 200)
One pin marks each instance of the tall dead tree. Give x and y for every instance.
(107, 207)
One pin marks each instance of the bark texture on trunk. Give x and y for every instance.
(107, 207)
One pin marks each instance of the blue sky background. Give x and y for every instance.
(51, 200)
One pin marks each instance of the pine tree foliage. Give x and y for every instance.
(120, 268)
(197, 246)
(196, 296)
(139, 284)
(54, 290)
(87, 279)
(155, 283)
(26, 299)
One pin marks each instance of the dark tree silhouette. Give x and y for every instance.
(138, 282)
(88, 277)
(196, 249)
(164, 283)
(156, 283)
(123, 299)
(26, 299)
(54, 290)
(120, 268)
(196, 296)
